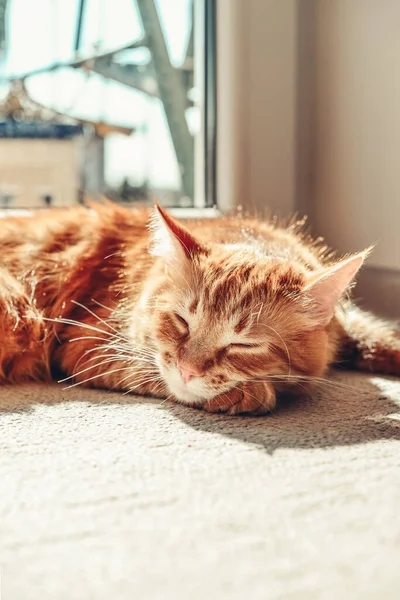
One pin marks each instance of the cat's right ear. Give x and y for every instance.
(172, 241)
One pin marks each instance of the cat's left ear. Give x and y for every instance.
(326, 286)
(172, 241)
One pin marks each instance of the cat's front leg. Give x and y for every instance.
(255, 398)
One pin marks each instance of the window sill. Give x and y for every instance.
(179, 213)
(194, 213)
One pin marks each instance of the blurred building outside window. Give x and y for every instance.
(98, 97)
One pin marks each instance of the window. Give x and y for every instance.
(135, 79)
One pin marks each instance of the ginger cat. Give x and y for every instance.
(221, 314)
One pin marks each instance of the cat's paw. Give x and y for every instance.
(256, 398)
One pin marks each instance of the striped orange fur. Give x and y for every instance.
(221, 314)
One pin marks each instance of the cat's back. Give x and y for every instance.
(72, 223)
(73, 231)
(58, 237)
(39, 227)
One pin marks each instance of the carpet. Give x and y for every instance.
(112, 496)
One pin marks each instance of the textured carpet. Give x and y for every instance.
(109, 496)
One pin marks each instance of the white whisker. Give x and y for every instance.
(62, 321)
(96, 377)
(283, 342)
(95, 315)
(96, 366)
(88, 337)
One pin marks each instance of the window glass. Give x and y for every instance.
(106, 91)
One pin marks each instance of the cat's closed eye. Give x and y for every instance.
(243, 346)
(182, 321)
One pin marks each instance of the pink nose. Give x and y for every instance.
(188, 371)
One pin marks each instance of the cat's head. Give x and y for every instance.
(227, 314)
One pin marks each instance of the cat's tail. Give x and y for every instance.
(368, 343)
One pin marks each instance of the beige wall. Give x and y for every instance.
(256, 104)
(308, 105)
(309, 116)
(357, 133)
(29, 169)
